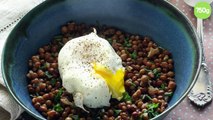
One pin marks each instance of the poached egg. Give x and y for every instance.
(91, 71)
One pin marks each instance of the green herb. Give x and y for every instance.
(126, 43)
(152, 109)
(161, 48)
(152, 106)
(52, 54)
(169, 94)
(32, 96)
(147, 70)
(48, 74)
(163, 86)
(58, 95)
(43, 67)
(129, 45)
(36, 84)
(117, 112)
(133, 84)
(61, 44)
(146, 97)
(58, 37)
(126, 97)
(75, 117)
(156, 73)
(152, 114)
(37, 94)
(46, 65)
(53, 81)
(58, 108)
(110, 41)
(133, 55)
(152, 62)
(99, 113)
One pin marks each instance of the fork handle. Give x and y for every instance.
(200, 35)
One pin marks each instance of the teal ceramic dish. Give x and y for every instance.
(156, 18)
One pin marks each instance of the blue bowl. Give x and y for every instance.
(156, 18)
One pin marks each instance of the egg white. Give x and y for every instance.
(75, 66)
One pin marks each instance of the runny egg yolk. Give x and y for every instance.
(115, 81)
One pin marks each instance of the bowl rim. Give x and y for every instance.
(166, 3)
(200, 51)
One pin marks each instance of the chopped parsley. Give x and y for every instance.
(48, 74)
(152, 106)
(58, 38)
(161, 48)
(126, 43)
(147, 70)
(46, 65)
(110, 41)
(133, 84)
(163, 86)
(37, 94)
(133, 55)
(58, 108)
(58, 95)
(126, 97)
(146, 97)
(75, 117)
(152, 109)
(61, 44)
(117, 112)
(156, 73)
(53, 81)
(169, 94)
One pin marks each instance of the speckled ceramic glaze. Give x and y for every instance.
(156, 18)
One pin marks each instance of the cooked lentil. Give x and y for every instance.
(149, 77)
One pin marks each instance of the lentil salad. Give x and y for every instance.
(149, 77)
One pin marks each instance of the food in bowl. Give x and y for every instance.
(148, 80)
(91, 71)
